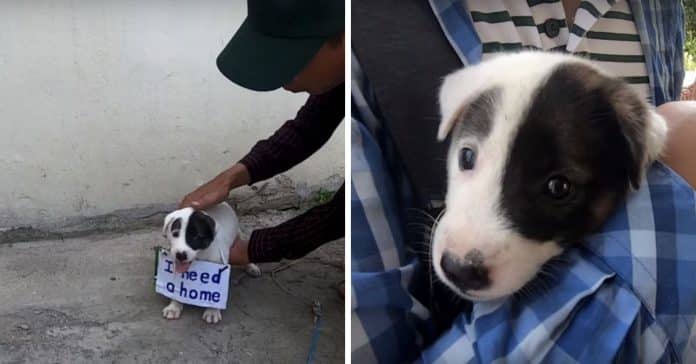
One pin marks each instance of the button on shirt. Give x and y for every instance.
(552, 28)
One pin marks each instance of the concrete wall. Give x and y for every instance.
(108, 105)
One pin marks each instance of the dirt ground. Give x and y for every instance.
(92, 300)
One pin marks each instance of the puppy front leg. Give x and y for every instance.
(212, 315)
(253, 270)
(173, 310)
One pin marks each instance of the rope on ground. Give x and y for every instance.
(316, 309)
(281, 268)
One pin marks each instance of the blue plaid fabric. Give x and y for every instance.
(660, 24)
(627, 295)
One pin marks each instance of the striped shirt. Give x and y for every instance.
(603, 30)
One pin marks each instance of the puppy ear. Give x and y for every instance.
(645, 131)
(654, 140)
(459, 90)
(656, 136)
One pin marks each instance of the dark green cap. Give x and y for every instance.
(277, 39)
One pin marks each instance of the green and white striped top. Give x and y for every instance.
(603, 30)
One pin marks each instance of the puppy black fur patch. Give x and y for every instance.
(582, 126)
(200, 231)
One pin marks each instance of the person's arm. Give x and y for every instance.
(300, 235)
(294, 238)
(298, 138)
(680, 149)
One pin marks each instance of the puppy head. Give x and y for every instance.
(543, 147)
(188, 232)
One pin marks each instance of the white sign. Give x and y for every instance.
(205, 284)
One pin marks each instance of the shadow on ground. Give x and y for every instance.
(92, 299)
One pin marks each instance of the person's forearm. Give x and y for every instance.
(297, 139)
(680, 150)
(299, 236)
(236, 176)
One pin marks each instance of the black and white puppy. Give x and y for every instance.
(543, 148)
(205, 235)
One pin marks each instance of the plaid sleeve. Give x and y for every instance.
(298, 138)
(660, 24)
(302, 234)
(387, 320)
(383, 311)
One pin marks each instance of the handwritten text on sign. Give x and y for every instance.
(205, 284)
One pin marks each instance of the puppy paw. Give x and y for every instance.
(212, 316)
(172, 311)
(253, 270)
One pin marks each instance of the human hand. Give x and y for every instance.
(209, 194)
(217, 189)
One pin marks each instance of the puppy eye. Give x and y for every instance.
(558, 187)
(467, 158)
(175, 233)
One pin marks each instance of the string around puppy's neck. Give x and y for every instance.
(222, 256)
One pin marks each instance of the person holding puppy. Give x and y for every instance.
(298, 46)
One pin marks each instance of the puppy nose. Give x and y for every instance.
(468, 273)
(180, 256)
